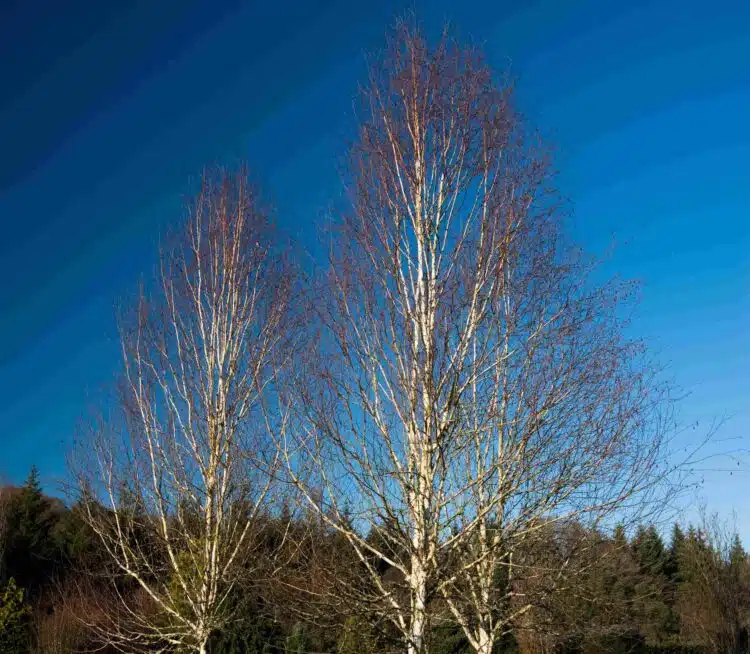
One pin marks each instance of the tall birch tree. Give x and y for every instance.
(176, 482)
(472, 384)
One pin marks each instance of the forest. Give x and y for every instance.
(443, 438)
(642, 594)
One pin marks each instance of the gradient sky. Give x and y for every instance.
(107, 109)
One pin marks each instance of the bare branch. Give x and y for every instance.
(175, 483)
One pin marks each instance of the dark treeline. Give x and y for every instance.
(634, 593)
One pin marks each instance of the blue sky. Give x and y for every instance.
(107, 109)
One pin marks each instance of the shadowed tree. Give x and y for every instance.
(29, 551)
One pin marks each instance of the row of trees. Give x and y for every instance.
(452, 403)
(632, 594)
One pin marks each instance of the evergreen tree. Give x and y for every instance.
(737, 553)
(672, 567)
(31, 548)
(74, 541)
(619, 537)
(13, 620)
(32, 525)
(648, 548)
(673, 577)
(650, 608)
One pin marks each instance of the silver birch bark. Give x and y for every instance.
(175, 481)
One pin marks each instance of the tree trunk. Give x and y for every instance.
(418, 580)
(485, 641)
(416, 637)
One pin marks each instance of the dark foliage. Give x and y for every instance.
(689, 595)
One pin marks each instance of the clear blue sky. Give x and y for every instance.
(108, 108)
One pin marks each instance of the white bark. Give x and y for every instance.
(485, 641)
(184, 479)
(412, 276)
(418, 582)
(473, 386)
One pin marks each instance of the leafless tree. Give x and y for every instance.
(714, 595)
(580, 586)
(472, 384)
(56, 627)
(175, 481)
(564, 417)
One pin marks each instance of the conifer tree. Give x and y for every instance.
(737, 555)
(672, 567)
(30, 548)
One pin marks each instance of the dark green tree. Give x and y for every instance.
(76, 544)
(30, 548)
(298, 640)
(14, 613)
(649, 551)
(650, 607)
(619, 537)
(672, 566)
(737, 555)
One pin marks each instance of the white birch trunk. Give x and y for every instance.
(418, 580)
(485, 641)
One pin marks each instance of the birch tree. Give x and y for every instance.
(472, 383)
(413, 271)
(566, 423)
(175, 482)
